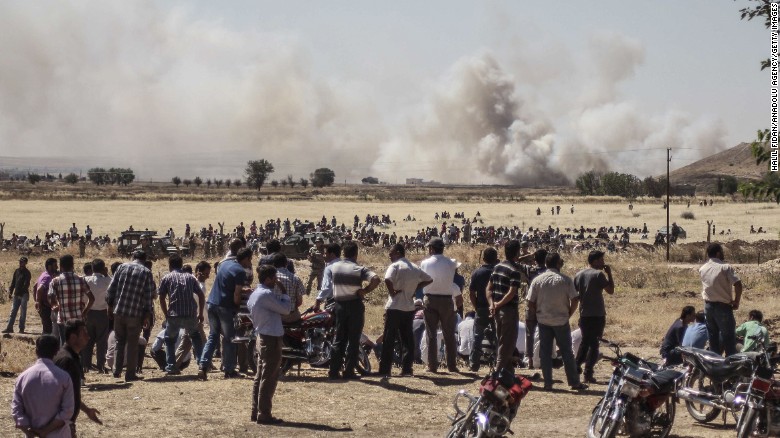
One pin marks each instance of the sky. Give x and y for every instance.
(508, 92)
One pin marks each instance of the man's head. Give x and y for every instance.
(397, 251)
(540, 257)
(66, 263)
(715, 251)
(512, 250)
(756, 315)
(332, 251)
(553, 261)
(115, 266)
(99, 266)
(88, 269)
(266, 275)
(490, 256)
(688, 314)
(203, 270)
(139, 255)
(596, 259)
(319, 242)
(279, 261)
(435, 246)
(350, 250)
(51, 265)
(235, 245)
(76, 335)
(273, 246)
(524, 247)
(22, 262)
(244, 257)
(187, 268)
(46, 346)
(701, 318)
(175, 262)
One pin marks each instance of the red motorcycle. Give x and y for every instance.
(760, 414)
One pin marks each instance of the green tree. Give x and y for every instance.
(274, 183)
(769, 186)
(323, 177)
(283, 182)
(97, 175)
(208, 182)
(257, 172)
(589, 183)
(187, 182)
(71, 178)
(34, 178)
(176, 181)
(304, 182)
(237, 182)
(218, 182)
(290, 181)
(198, 181)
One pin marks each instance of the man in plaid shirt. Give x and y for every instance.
(181, 312)
(289, 284)
(69, 295)
(129, 300)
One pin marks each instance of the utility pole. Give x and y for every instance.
(668, 205)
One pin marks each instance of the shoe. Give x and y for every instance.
(474, 368)
(432, 370)
(253, 417)
(407, 374)
(453, 370)
(591, 379)
(548, 387)
(351, 376)
(233, 375)
(272, 420)
(133, 378)
(8, 330)
(117, 375)
(202, 374)
(579, 387)
(173, 372)
(334, 376)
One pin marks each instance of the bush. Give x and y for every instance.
(688, 215)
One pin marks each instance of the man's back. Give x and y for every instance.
(590, 284)
(479, 281)
(71, 292)
(181, 287)
(717, 277)
(130, 291)
(98, 285)
(695, 336)
(552, 292)
(229, 275)
(42, 393)
(442, 271)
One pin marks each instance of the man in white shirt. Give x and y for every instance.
(97, 318)
(438, 304)
(402, 279)
(717, 279)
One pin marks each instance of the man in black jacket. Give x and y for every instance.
(19, 292)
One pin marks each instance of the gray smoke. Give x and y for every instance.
(132, 84)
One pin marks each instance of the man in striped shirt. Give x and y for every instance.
(129, 300)
(347, 278)
(70, 295)
(291, 285)
(503, 302)
(181, 312)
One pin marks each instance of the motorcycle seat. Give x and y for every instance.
(293, 324)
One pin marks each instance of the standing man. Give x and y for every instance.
(97, 318)
(347, 278)
(590, 283)
(68, 359)
(402, 279)
(530, 315)
(19, 292)
(43, 398)
(504, 301)
(70, 295)
(181, 313)
(553, 297)
(223, 302)
(477, 295)
(717, 279)
(266, 309)
(129, 300)
(438, 304)
(291, 285)
(42, 304)
(317, 259)
(332, 255)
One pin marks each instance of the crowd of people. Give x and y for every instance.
(101, 314)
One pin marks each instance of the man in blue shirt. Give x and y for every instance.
(479, 281)
(266, 309)
(223, 303)
(696, 335)
(332, 255)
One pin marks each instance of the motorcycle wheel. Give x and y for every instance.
(598, 422)
(747, 422)
(669, 408)
(322, 359)
(466, 427)
(701, 413)
(364, 362)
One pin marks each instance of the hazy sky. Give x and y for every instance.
(458, 91)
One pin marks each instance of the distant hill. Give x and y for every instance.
(737, 162)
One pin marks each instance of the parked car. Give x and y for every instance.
(297, 246)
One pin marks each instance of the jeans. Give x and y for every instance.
(592, 328)
(562, 336)
(97, 327)
(220, 323)
(721, 327)
(350, 317)
(190, 326)
(481, 322)
(397, 323)
(18, 301)
(46, 323)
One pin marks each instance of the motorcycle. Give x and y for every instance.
(639, 401)
(760, 414)
(490, 414)
(714, 384)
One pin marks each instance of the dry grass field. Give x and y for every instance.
(649, 295)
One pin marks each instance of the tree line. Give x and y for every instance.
(257, 173)
(630, 186)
